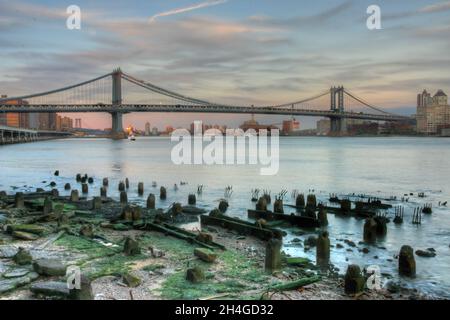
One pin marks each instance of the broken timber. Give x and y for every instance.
(299, 221)
(241, 226)
(177, 233)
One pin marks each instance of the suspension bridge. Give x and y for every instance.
(118, 93)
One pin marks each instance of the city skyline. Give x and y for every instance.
(230, 51)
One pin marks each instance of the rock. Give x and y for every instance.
(273, 255)
(48, 206)
(131, 247)
(350, 243)
(354, 280)
(67, 186)
(23, 257)
(151, 201)
(370, 230)
(406, 262)
(205, 254)
(84, 188)
(56, 289)
(339, 246)
(192, 200)
(49, 267)
(426, 253)
(19, 201)
(365, 250)
(393, 287)
(11, 284)
(311, 241)
(24, 236)
(131, 280)
(87, 231)
(8, 252)
(74, 196)
(141, 188)
(97, 203)
(223, 206)
(16, 273)
(163, 193)
(195, 275)
(84, 292)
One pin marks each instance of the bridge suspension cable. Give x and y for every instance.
(367, 104)
(303, 101)
(41, 94)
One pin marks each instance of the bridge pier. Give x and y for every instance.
(117, 127)
(338, 127)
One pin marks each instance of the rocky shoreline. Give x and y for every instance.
(125, 251)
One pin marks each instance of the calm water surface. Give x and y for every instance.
(381, 167)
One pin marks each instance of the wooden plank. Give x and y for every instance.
(299, 221)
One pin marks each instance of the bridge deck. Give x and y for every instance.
(127, 108)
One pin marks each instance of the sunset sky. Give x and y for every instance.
(230, 51)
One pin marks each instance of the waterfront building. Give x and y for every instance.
(253, 124)
(16, 120)
(323, 127)
(433, 113)
(147, 129)
(289, 126)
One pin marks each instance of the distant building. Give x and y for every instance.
(47, 121)
(323, 127)
(289, 126)
(17, 120)
(147, 129)
(155, 131)
(433, 113)
(253, 124)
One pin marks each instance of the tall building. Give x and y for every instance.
(147, 129)
(47, 121)
(433, 113)
(289, 126)
(17, 120)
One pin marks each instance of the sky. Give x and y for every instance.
(230, 51)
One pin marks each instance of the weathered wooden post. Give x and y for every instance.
(127, 183)
(311, 201)
(103, 192)
(96, 203)
(123, 198)
(370, 230)
(105, 182)
(78, 177)
(131, 247)
(192, 200)
(48, 206)
(223, 206)
(346, 206)
(163, 193)
(278, 206)
(354, 281)
(273, 255)
(121, 186)
(140, 188)
(323, 249)
(19, 201)
(322, 216)
(84, 188)
(261, 205)
(300, 200)
(90, 180)
(407, 262)
(67, 186)
(151, 201)
(74, 196)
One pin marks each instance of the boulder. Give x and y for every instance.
(131, 280)
(131, 247)
(205, 254)
(23, 257)
(406, 262)
(54, 289)
(49, 267)
(195, 275)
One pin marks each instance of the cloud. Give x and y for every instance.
(186, 9)
(437, 7)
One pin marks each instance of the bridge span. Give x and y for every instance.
(337, 103)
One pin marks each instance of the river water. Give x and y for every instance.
(382, 167)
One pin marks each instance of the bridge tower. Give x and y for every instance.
(338, 123)
(117, 127)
